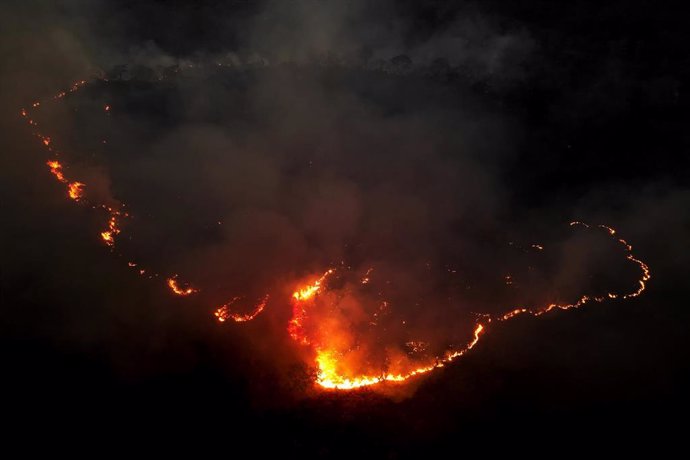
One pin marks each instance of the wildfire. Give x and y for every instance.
(335, 372)
(329, 376)
(299, 312)
(365, 279)
(177, 290)
(224, 313)
(309, 291)
(75, 190)
(108, 236)
(56, 170)
(75, 87)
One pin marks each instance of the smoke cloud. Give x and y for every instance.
(257, 144)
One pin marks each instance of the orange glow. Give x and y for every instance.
(310, 290)
(75, 190)
(75, 87)
(224, 313)
(329, 377)
(177, 290)
(299, 312)
(334, 371)
(329, 347)
(108, 236)
(56, 170)
(365, 278)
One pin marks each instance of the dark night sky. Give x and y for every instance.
(536, 113)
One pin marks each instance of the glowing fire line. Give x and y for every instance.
(224, 313)
(176, 289)
(327, 360)
(76, 191)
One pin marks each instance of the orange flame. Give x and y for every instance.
(333, 372)
(309, 291)
(329, 377)
(328, 360)
(299, 313)
(175, 288)
(75, 190)
(56, 170)
(224, 313)
(108, 236)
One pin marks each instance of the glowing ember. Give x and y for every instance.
(309, 291)
(299, 312)
(74, 190)
(56, 170)
(108, 236)
(177, 290)
(365, 279)
(224, 313)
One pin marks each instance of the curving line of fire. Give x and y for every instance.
(326, 360)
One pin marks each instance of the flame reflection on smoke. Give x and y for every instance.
(334, 350)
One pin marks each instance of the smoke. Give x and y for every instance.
(278, 139)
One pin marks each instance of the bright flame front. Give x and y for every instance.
(329, 334)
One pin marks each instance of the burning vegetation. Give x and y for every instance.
(343, 318)
(333, 322)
